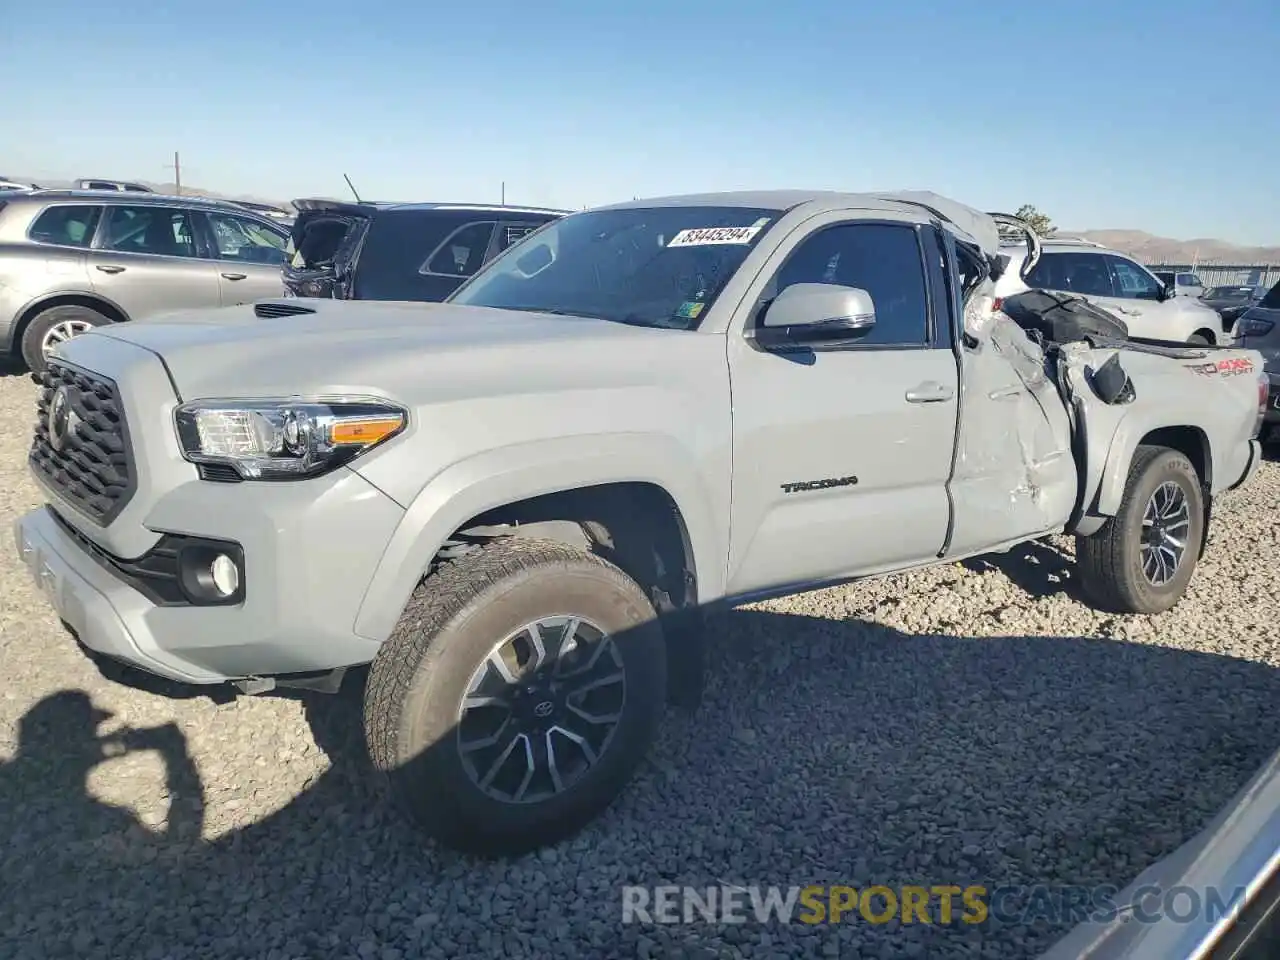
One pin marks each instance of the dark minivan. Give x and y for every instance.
(398, 251)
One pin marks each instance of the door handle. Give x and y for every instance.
(233, 276)
(110, 268)
(929, 392)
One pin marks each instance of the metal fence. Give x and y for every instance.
(1226, 274)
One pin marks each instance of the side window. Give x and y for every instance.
(511, 232)
(463, 251)
(65, 226)
(243, 240)
(159, 231)
(884, 260)
(1132, 281)
(1082, 273)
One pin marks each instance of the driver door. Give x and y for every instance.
(841, 455)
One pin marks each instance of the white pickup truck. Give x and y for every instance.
(513, 503)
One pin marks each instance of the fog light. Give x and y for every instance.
(226, 578)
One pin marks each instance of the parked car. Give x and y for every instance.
(1118, 284)
(1183, 284)
(16, 185)
(398, 251)
(516, 503)
(1259, 329)
(1232, 301)
(123, 186)
(73, 260)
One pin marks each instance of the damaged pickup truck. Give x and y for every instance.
(514, 504)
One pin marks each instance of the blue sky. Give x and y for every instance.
(1145, 114)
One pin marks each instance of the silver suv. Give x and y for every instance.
(1116, 283)
(71, 260)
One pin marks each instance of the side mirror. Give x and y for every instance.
(1169, 291)
(816, 314)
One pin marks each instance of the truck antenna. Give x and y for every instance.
(353, 188)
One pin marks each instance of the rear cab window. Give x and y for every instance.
(66, 225)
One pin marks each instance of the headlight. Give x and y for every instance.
(285, 439)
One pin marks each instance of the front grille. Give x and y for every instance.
(86, 457)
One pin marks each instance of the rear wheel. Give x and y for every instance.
(1142, 559)
(56, 325)
(516, 696)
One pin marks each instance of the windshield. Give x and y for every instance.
(653, 266)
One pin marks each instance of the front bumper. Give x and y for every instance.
(310, 549)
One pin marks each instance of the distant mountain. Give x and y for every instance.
(1152, 249)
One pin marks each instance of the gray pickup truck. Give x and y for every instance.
(515, 504)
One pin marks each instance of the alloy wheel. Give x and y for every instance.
(541, 709)
(1165, 524)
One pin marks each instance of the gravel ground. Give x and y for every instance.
(965, 724)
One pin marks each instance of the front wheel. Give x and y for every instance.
(516, 696)
(1142, 559)
(1199, 340)
(56, 325)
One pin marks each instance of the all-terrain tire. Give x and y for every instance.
(1110, 562)
(1199, 340)
(452, 622)
(69, 316)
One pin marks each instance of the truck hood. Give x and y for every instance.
(408, 351)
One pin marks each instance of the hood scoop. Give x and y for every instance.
(275, 308)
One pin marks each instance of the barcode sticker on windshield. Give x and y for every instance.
(702, 236)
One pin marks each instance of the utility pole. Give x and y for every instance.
(176, 166)
(503, 202)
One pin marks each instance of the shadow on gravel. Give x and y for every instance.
(1036, 567)
(825, 752)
